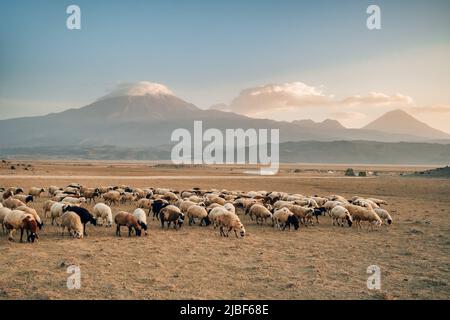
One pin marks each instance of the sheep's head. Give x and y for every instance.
(29, 199)
(143, 226)
(241, 230)
(389, 221)
(93, 220)
(207, 220)
(349, 219)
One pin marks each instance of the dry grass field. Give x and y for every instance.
(317, 262)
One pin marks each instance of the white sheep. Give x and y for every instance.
(56, 211)
(260, 212)
(230, 221)
(72, 222)
(103, 211)
(141, 217)
(339, 214)
(285, 217)
(384, 215)
(34, 213)
(197, 212)
(363, 214)
(73, 200)
(3, 212)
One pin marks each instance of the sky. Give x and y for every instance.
(283, 60)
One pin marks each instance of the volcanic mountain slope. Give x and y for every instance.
(146, 117)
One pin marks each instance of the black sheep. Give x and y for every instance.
(157, 205)
(292, 220)
(85, 216)
(318, 212)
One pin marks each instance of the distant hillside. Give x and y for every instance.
(361, 152)
(433, 173)
(400, 122)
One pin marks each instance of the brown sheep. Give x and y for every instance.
(126, 219)
(171, 214)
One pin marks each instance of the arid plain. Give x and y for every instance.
(317, 262)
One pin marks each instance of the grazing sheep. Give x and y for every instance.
(145, 203)
(286, 217)
(339, 214)
(214, 213)
(24, 198)
(56, 211)
(171, 214)
(112, 197)
(73, 200)
(12, 203)
(384, 215)
(103, 211)
(3, 212)
(230, 207)
(141, 218)
(185, 205)
(34, 213)
(36, 192)
(339, 198)
(363, 214)
(52, 190)
(90, 194)
(230, 221)
(157, 205)
(126, 219)
(127, 197)
(17, 219)
(72, 222)
(84, 214)
(260, 212)
(304, 214)
(197, 212)
(46, 207)
(329, 205)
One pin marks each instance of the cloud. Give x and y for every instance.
(431, 109)
(273, 98)
(348, 115)
(277, 97)
(141, 88)
(378, 99)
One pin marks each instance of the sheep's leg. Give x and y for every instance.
(129, 231)
(84, 230)
(235, 233)
(118, 230)
(21, 234)
(11, 235)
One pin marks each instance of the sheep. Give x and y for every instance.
(338, 214)
(363, 214)
(339, 198)
(1, 205)
(17, 219)
(73, 200)
(84, 214)
(304, 214)
(123, 218)
(3, 212)
(282, 204)
(141, 218)
(215, 213)
(46, 207)
(36, 192)
(329, 205)
(260, 212)
(384, 215)
(286, 217)
(145, 204)
(157, 205)
(230, 207)
(52, 190)
(56, 211)
(127, 197)
(72, 222)
(34, 213)
(24, 198)
(214, 199)
(90, 194)
(112, 197)
(197, 212)
(364, 203)
(230, 221)
(12, 203)
(103, 211)
(171, 214)
(185, 205)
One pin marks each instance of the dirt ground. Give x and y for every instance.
(317, 262)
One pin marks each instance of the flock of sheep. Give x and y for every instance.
(221, 208)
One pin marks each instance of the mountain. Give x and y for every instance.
(400, 122)
(327, 124)
(145, 115)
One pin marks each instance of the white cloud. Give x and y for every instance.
(431, 109)
(272, 98)
(141, 88)
(378, 99)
